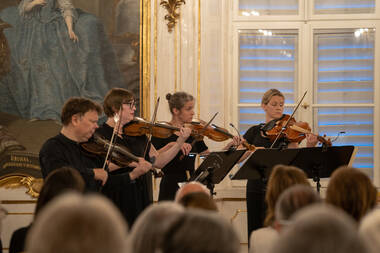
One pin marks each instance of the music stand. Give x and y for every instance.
(317, 162)
(215, 167)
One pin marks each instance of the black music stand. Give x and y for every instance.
(317, 163)
(215, 167)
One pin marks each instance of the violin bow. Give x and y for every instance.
(153, 121)
(115, 129)
(287, 122)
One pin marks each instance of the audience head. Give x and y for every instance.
(178, 100)
(200, 231)
(369, 229)
(281, 178)
(147, 232)
(73, 223)
(320, 228)
(199, 200)
(114, 99)
(57, 182)
(352, 191)
(189, 188)
(292, 200)
(78, 107)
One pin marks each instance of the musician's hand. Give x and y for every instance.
(311, 140)
(141, 168)
(184, 133)
(101, 175)
(186, 148)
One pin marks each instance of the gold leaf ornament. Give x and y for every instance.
(172, 7)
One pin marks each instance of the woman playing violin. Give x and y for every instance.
(119, 105)
(180, 169)
(181, 106)
(273, 105)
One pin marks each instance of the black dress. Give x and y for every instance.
(255, 191)
(175, 170)
(133, 197)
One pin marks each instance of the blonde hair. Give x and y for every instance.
(281, 178)
(269, 94)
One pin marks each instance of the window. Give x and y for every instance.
(268, 7)
(344, 6)
(335, 63)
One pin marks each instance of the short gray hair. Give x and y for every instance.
(292, 200)
(200, 231)
(147, 232)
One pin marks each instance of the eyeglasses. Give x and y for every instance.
(131, 104)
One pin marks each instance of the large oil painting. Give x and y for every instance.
(59, 50)
(55, 49)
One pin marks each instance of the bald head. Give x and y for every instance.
(190, 188)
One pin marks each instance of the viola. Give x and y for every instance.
(294, 131)
(120, 155)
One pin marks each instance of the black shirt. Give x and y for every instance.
(134, 196)
(178, 165)
(175, 170)
(60, 151)
(254, 136)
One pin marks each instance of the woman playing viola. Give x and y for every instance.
(273, 105)
(119, 105)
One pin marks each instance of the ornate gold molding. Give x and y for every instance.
(145, 56)
(32, 184)
(171, 6)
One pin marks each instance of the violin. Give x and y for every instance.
(294, 131)
(223, 135)
(120, 155)
(139, 126)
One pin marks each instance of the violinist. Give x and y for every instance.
(119, 105)
(273, 105)
(180, 169)
(79, 118)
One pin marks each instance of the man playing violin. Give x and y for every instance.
(119, 106)
(273, 105)
(79, 118)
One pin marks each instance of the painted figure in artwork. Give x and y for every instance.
(57, 51)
